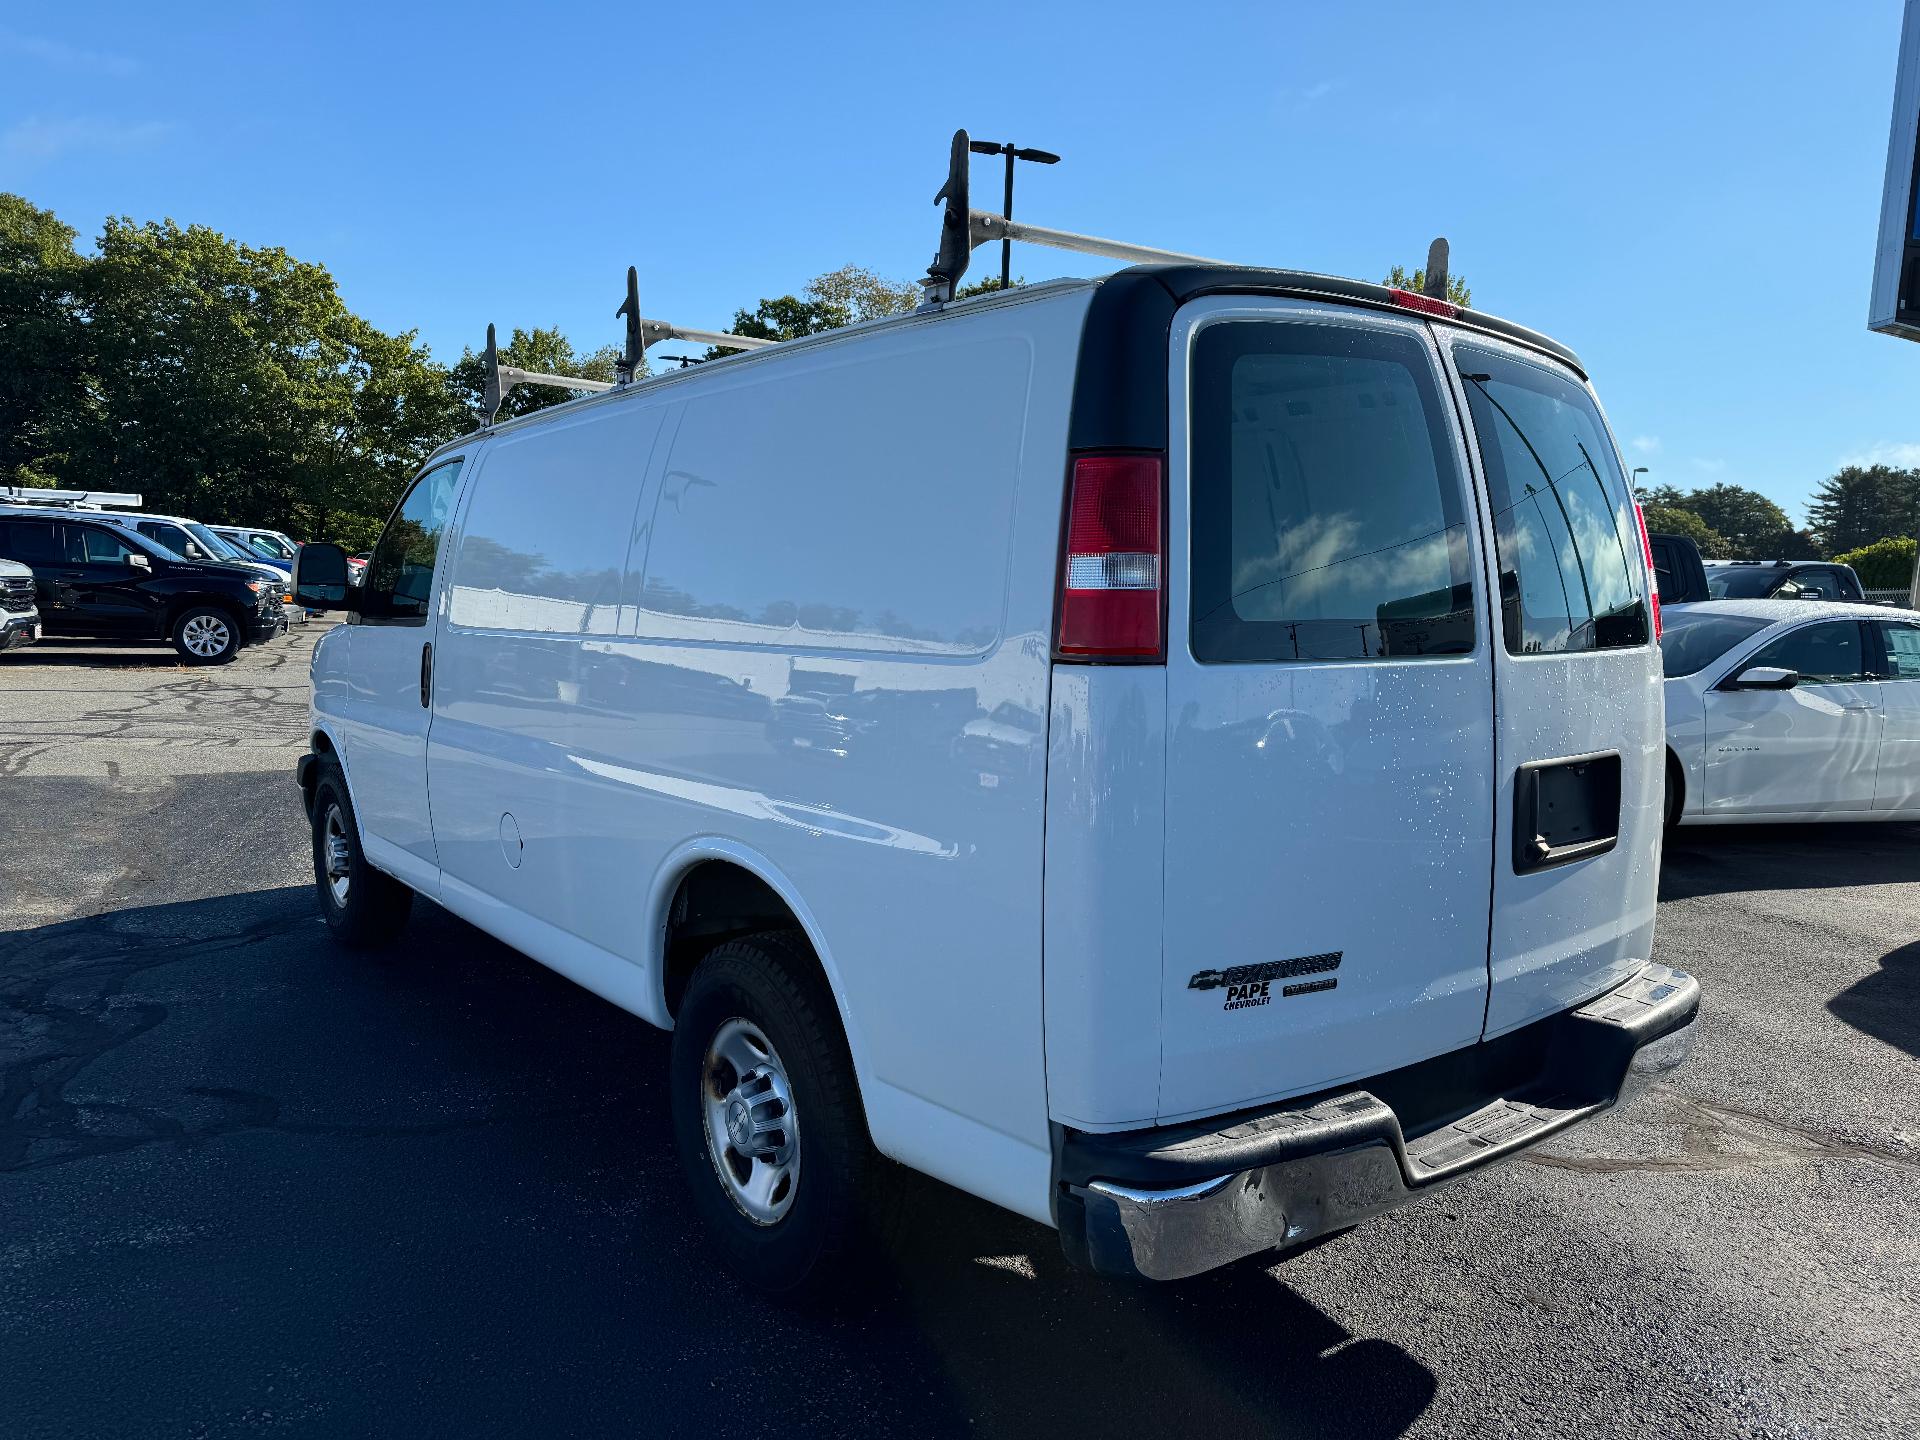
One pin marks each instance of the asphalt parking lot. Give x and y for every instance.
(248, 1183)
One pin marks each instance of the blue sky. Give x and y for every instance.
(1685, 193)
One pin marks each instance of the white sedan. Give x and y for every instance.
(1791, 710)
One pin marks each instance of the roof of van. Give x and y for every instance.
(1120, 388)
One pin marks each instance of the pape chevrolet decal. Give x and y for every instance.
(1251, 985)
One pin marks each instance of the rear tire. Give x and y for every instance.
(1675, 797)
(206, 635)
(363, 907)
(767, 1115)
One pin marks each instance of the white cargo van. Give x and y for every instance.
(1178, 756)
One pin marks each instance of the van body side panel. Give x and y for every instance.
(520, 683)
(1106, 822)
(838, 661)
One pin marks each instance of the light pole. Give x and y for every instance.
(1638, 471)
(1013, 153)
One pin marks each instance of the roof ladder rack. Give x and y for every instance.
(963, 230)
(71, 499)
(641, 333)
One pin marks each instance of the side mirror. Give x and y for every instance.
(320, 577)
(137, 561)
(1765, 677)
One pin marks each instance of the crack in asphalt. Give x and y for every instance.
(1722, 1137)
(49, 1042)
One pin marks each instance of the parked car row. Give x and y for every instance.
(69, 565)
(1685, 577)
(1791, 710)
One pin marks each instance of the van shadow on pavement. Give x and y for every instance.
(249, 1175)
(1886, 1004)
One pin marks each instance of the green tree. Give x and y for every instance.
(544, 350)
(43, 363)
(1671, 520)
(219, 380)
(986, 287)
(1751, 526)
(827, 302)
(1860, 504)
(861, 294)
(1457, 289)
(1883, 565)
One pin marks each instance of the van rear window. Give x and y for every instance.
(1570, 575)
(1329, 521)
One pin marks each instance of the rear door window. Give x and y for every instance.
(31, 542)
(1329, 519)
(1902, 644)
(1562, 527)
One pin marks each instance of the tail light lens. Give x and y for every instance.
(1653, 580)
(1113, 579)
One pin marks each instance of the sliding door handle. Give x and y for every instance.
(426, 675)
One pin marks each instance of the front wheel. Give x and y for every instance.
(363, 907)
(766, 1114)
(205, 635)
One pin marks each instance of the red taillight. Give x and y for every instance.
(1113, 577)
(1653, 580)
(1425, 304)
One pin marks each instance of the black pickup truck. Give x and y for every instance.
(1678, 569)
(91, 577)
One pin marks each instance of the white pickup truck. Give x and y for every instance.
(19, 613)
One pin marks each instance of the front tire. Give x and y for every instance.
(767, 1115)
(363, 907)
(206, 635)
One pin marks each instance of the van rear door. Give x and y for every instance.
(1330, 753)
(1581, 747)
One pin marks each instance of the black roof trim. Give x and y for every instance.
(1120, 390)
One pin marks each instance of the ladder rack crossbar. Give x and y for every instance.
(984, 226)
(512, 375)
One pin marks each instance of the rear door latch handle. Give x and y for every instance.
(426, 675)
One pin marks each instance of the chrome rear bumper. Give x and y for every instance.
(1308, 1168)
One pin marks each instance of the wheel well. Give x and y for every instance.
(321, 744)
(1677, 776)
(716, 902)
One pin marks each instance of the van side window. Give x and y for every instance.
(1569, 577)
(1329, 519)
(399, 584)
(170, 537)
